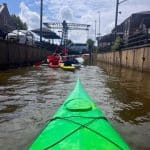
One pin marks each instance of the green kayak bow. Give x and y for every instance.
(79, 125)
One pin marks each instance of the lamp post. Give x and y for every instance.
(41, 20)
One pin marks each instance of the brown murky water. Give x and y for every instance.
(30, 96)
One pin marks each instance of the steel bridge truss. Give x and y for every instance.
(64, 26)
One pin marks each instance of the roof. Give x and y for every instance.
(10, 25)
(107, 38)
(119, 29)
(46, 33)
(1, 8)
(137, 13)
(142, 13)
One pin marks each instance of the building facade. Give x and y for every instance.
(78, 48)
(134, 31)
(6, 23)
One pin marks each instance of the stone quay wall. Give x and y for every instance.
(135, 58)
(14, 55)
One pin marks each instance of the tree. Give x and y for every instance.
(117, 44)
(90, 44)
(19, 23)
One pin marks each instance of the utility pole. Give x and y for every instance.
(41, 21)
(116, 16)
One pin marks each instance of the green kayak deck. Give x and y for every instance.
(79, 125)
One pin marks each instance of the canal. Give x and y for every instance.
(30, 96)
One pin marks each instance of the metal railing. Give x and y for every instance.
(137, 39)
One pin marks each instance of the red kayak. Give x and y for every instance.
(52, 58)
(51, 65)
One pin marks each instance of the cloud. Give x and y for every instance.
(81, 11)
(31, 18)
(66, 14)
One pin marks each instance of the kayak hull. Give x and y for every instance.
(53, 66)
(79, 125)
(67, 68)
(77, 66)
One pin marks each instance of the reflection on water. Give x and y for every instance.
(30, 96)
(131, 91)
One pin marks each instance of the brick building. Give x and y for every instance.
(6, 23)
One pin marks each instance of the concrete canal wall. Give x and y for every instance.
(137, 58)
(13, 54)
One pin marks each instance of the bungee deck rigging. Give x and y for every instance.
(79, 125)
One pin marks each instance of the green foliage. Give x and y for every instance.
(95, 50)
(90, 43)
(117, 44)
(20, 24)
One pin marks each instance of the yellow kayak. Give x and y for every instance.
(67, 68)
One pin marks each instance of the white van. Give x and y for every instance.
(21, 36)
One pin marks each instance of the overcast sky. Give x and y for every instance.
(76, 11)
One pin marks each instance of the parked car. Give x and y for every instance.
(21, 36)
